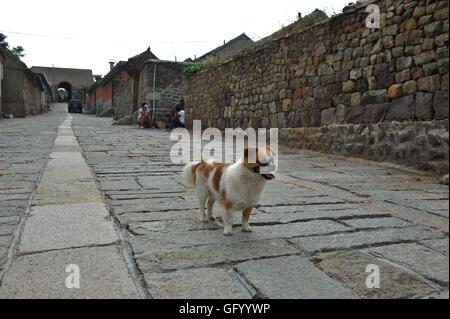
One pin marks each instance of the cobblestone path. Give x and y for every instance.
(318, 231)
(318, 226)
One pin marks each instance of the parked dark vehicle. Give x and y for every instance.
(75, 106)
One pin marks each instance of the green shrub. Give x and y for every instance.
(191, 69)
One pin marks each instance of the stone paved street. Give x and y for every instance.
(67, 246)
(25, 146)
(317, 228)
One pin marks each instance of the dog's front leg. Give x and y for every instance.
(228, 223)
(245, 220)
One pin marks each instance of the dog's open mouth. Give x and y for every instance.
(268, 176)
(266, 170)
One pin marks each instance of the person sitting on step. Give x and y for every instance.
(144, 118)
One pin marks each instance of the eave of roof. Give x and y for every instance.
(136, 62)
(165, 62)
(109, 76)
(239, 37)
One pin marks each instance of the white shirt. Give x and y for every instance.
(181, 115)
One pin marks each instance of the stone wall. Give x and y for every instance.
(123, 99)
(31, 97)
(2, 59)
(12, 90)
(169, 86)
(325, 86)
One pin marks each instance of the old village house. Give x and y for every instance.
(22, 91)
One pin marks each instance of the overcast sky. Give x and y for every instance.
(88, 33)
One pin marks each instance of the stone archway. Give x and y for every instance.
(68, 88)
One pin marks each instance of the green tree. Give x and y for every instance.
(18, 51)
(3, 42)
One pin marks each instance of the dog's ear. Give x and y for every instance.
(269, 150)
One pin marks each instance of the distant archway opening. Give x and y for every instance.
(64, 91)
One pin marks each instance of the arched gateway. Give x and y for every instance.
(75, 82)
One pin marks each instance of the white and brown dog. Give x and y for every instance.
(236, 186)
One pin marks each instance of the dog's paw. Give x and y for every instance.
(204, 219)
(228, 233)
(247, 229)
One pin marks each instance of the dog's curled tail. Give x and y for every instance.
(190, 174)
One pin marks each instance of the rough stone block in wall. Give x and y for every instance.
(123, 102)
(338, 72)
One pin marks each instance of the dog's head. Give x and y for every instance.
(259, 161)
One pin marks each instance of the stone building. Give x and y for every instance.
(102, 93)
(47, 93)
(117, 93)
(134, 67)
(2, 60)
(161, 86)
(227, 50)
(143, 78)
(342, 87)
(23, 92)
(75, 81)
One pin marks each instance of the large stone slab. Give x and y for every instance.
(210, 255)
(153, 242)
(58, 174)
(155, 205)
(128, 218)
(3, 255)
(5, 241)
(168, 183)
(439, 207)
(128, 184)
(440, 245)
(395, 282)
(268, 199)
(314, 209)
(372, 223)
(75, 191)
(362, 239)
(169, 226)
(299, 215)
(291, 277)
(444, 294)
(65, 140)
(66, 159)
(203, 283)
(415, 216)
(103, 274)
(423, 260)
(63, 226)
(7, 230)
